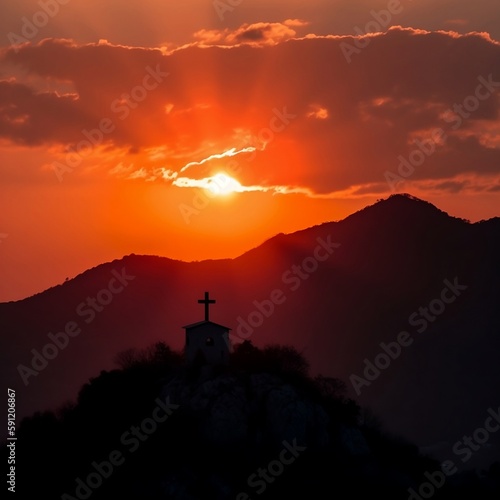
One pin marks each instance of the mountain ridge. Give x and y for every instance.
(401, 199)
(393, 258)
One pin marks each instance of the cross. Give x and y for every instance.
(207, 303)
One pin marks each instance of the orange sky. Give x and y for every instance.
(115, 123)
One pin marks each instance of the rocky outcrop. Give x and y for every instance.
(260, 408)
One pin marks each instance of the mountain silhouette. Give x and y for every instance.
(257, 425)
(335, 292)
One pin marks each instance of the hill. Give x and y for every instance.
(335, 292)
(260, 426)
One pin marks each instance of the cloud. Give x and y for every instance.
(221, 183)
(256, 34)
(318, 112)
(90, 20)
(217, 156)
(352, 122)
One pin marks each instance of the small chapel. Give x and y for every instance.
(207, 342)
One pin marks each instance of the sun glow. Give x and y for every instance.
(223, 184)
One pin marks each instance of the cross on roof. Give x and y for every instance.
(207, 301)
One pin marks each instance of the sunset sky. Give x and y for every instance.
(198, 129)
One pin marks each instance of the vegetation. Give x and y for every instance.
(68, 454)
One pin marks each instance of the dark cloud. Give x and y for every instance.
(451, 186)
(252, 34)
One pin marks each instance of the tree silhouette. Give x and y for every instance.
(179, 461)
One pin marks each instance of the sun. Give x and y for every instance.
(222, 185)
